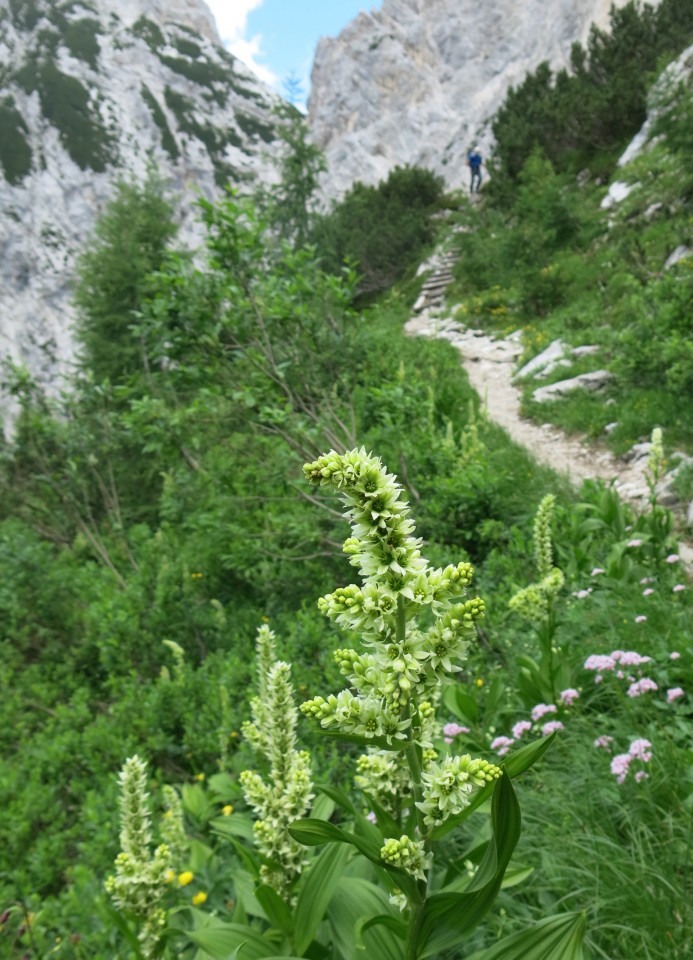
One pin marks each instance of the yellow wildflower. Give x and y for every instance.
(227, 810)
(199, 898)
(479, 681)
(200, 777)
(185, 878)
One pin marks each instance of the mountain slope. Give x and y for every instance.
(417, 81)
(92, 90)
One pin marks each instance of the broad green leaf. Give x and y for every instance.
(460, 703)
(237, 825)
(449, 917)
(520, 760)
(557, 938)
(195, 801)
(317, 887)
(249, 859)
(340, 797)
(114, 917)
(323, 807)
(276, 910)
(219, 941)
(357, 901)
(223, 787)
(514, 876)
(311, 833)
(399, 927)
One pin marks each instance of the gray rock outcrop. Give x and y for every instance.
(93, 91)
(417, 81)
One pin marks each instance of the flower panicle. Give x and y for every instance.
(447, 786)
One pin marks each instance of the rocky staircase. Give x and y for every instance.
(433, 290)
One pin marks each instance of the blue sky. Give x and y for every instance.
(278, 37)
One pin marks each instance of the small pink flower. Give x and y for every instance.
(597, 572)
(453, 729)
(634, 543)
(604, 742)
(678, 588)
(648, 592)
(640, 618)
(673, 558)
(641, 775)
(599, 678)
(620, 674)
(599, 661)
(619, 766)
(372, 817)
(551, 727)
(541, 710)
(502, 745)
(641, 686)
(582, 594)
(675, 655)
(629, 658)
(674, 693)
(569, 696)
(521, 727)
(640, 750)
(646, 580)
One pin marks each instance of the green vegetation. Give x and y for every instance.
(168, 141)
(65, 103)
(382, 230)
(579, 117)
(15, 152)
(158, 514)
(214, 139)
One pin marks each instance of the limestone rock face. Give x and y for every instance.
(418, 80)
(92, 90)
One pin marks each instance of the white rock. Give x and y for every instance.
(556, 350)
(417, 81)
(680, 253)
(47, 216)
(618, 191)
(593, 382)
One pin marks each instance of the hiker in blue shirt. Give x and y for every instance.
(474, 162)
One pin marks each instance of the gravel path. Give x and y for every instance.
(490, 365)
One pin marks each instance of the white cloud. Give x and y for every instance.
(232, 23)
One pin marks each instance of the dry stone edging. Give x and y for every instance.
(490, 365)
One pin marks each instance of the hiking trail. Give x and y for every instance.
(490, 364)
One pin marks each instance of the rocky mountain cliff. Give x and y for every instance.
(91, 90)
(418, 80)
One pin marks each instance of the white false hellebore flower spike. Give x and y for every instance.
(395, 684)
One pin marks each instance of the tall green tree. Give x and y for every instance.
(129, 244)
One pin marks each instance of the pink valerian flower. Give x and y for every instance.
(648, 592)
(582, 594)
(569, 696)
(598, 678)
(673, 558)
(521, 727)
(551, 727)
(645, 685)
(674, 693)
(619, 766)
(597, 571)
(372, 817)
(640, 750)
(646, 580)
(634, 543)
(641, 618)
(599, 661)
(675, 655)
(502, 745)
(629, 658)
(604, 742)
(678, 588)
(641, 775)
(451, 730)
(541, 710)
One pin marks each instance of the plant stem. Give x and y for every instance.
(414, 931)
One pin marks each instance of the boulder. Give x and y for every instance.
(592, 382)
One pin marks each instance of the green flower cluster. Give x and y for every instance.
(140, 880)
(533, 603)
(395, 684)
(285, 795)
(407, 854)
(401, 665)
(448, 785)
